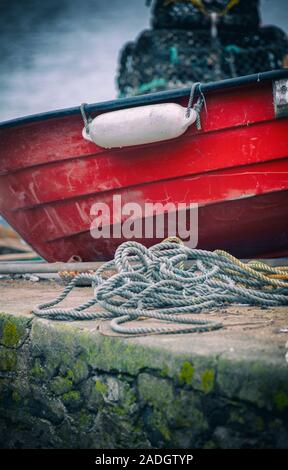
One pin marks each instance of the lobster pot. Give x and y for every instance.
(183, 14)
(165, 59)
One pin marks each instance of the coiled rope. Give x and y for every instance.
(158, 283)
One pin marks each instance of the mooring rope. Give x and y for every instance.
(167, 281)
(201, 7)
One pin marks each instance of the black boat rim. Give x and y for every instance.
(151, 98)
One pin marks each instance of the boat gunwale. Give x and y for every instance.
(151, 98)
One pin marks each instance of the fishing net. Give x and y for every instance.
(162, 59)
(184, 14)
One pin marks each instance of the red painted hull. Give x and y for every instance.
(235, 168)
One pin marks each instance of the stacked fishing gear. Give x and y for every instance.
(195, 40)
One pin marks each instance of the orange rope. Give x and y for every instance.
(199, 4)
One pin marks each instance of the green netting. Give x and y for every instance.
(183, 14)
(168, 58)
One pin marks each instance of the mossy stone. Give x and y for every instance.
(60, 385)
(156, 391)
(207, 380)
(8, 360)
(186, 374)
(12, 331)
(72, 399)
(281, 400)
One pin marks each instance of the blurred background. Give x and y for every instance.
(59, 53)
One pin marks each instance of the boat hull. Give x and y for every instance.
(235, 169)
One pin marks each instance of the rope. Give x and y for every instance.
(156, 283)
(201, 7)
(191, 98)
(198, 105)
(86, 119)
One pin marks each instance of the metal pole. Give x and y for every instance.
(36, 267)
(27, 268)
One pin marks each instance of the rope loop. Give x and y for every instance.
(168, 281)
(86, 118)
(198, 105)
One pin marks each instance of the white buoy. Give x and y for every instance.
(139, 125)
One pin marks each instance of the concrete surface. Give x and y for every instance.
(77, 384)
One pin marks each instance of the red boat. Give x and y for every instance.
(235, 168)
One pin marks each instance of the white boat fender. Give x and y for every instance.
(139, 125)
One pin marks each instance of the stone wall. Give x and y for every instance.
(62, 386)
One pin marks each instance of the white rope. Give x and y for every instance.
(153, 283)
